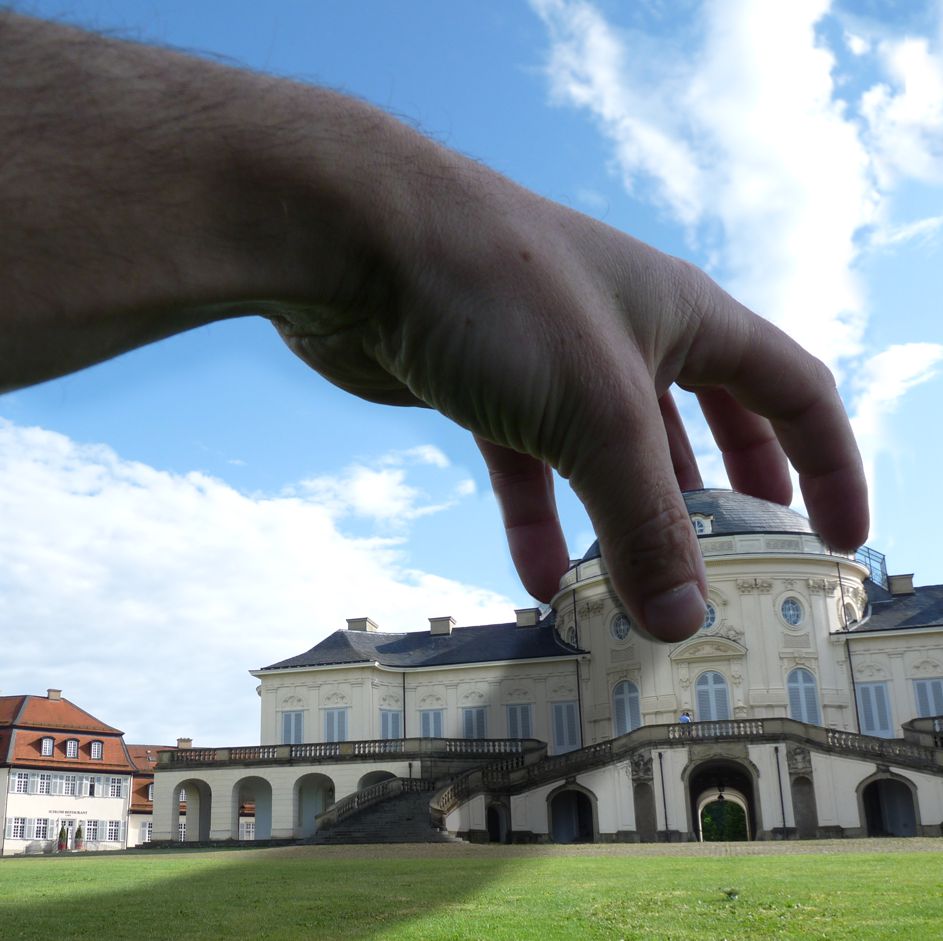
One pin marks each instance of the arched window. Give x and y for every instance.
(803, 696)
(713, 699)
(626, 714)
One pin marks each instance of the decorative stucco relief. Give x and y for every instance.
(590, 608)
(641, 763)
(335, 699)
(431, 701)
(927, 667)
(822, 586)
(749, 586)
(798, 759)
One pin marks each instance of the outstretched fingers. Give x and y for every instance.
(768, 374)
(523, 486)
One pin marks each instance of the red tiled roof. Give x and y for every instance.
(145, 756)
(44, 713)
(26, 720)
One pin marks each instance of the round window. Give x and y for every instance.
(850, 613)
(620, 627)
(791, 610)
(710, 617)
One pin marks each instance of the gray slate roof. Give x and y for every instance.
(734, 512)
(483, 643)
(924, 608)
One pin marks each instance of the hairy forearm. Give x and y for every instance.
(144, 192)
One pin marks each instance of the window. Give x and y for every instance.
(521, 720)
(114, 831)
(182, 831)
(874, 710)
(335, 725)
(246, 829)
(146, 830)
(803, 697)
(72, 748)
(710, 617)
(45, 747)
(21, 782)
(791, 610)
(929, 695)
(473, 722)
(41, 829)
(69, 785)
(183, 795)
(44, 784)
(391, 723)
(566, 728)
(713, 700)
(703, 525)
(93, 786)
(91, 830)
(626, 714)
(95, 750)
(18, 831)
(293, 728)
(620, 627)
(430, 723)
(150, 792)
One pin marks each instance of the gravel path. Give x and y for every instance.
(485, 851)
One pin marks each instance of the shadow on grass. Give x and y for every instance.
(266, 894)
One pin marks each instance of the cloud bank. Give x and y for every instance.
(126, 585)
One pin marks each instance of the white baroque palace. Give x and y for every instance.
(814, 690)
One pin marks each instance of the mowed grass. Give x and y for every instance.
(388, 894)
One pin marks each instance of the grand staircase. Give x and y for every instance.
(398, 817)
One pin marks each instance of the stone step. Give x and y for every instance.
(402, 818)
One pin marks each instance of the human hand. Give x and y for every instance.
(555, 339)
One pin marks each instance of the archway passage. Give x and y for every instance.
(889, 809)
(723, 821)
(251, 809)
(191, 808)
(314, 793)
(722, 781)
(374, 777)
(571, 818)
(496, 822)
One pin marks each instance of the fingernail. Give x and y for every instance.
(676, 614)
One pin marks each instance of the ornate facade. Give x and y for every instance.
(815, 689)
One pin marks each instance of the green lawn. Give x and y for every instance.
(489, 895)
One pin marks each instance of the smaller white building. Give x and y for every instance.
(65, 777)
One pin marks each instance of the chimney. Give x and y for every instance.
(441, 626)
(901, 584)
(54, 694)
(184, 743)
(527, 617)
(361, 624)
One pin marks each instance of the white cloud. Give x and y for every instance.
(146, 596)
(734, 126)
(905, 114)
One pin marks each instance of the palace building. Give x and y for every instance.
(814, 691)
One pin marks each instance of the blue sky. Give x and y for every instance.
(208, 505)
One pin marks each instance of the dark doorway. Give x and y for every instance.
(497, 824)
(571, 818)
(804, 809)
(889, 809)
(722, 781)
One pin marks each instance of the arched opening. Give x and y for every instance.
(374, 777)
(496, 822)
(571, 816)
(251, 809)
(313, 794)
(191, 806)
(645, 819)
(722, 817)
(721, 781)
(889, 808)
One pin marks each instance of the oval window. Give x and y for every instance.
(791, 610)
(620, 627)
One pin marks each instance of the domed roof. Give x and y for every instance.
(731, 512)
